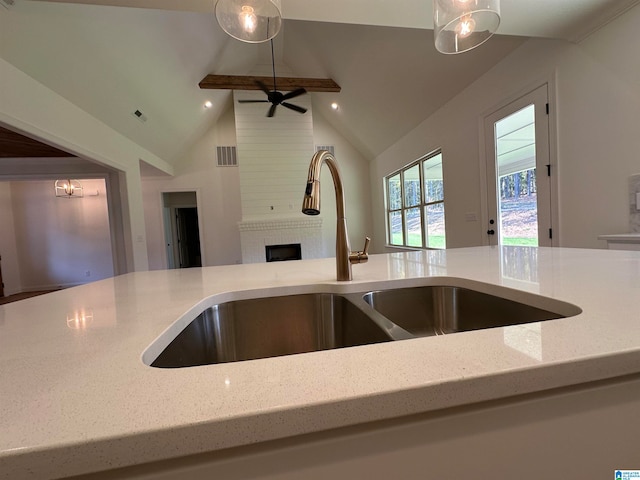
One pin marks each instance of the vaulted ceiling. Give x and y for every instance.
(113, 57)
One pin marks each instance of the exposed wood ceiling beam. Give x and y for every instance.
(14, 145)
(287, 84)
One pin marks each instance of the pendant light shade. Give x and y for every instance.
(461, 25)
(251, 21)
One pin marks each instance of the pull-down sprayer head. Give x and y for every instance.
(311, 201)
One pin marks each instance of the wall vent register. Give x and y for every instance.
(227, 156)
(328, 148)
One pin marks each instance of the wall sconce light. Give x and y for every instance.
(251, 21)
(68, 188)
(461, 25)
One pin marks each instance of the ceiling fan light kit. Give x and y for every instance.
(461, 25)
(251, 21)
(276, 98)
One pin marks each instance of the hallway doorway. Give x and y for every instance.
(182, 229)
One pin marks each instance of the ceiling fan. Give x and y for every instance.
(274, 97)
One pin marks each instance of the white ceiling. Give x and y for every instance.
(115, 56)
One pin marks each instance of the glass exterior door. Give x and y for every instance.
(519, 204)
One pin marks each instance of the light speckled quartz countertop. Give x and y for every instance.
(76, 397)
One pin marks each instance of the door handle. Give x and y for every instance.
(491, 231)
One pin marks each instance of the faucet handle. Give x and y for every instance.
(363, 256)
(365, 250)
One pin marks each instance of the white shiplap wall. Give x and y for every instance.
(273, 156)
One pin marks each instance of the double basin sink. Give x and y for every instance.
(292, 324)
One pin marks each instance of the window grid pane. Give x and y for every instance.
(415, 205)
(396, 236)
(394, 192)
(413, 223)
(412, 196)
(434, 215)
(434, 185)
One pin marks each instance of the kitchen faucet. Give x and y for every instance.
(311, 206)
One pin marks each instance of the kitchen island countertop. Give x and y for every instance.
(76, 396)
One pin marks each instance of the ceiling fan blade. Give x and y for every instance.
(294, 107)
(295, 93)
(263, 87)
(253, 101)
(272, 110)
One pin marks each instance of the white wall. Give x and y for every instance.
(8, 249)
(218, 191)
(271, 154)
(354, 170)
(599, 144)
(36, 110)
(58, 239)
(596, 110)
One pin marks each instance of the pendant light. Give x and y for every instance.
(251, 21)
(461, 25)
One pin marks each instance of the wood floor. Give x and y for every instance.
(22, 296)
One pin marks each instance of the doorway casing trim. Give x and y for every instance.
(550, 79)
(198, 192)
(127, 258)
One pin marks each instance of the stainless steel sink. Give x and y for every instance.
(436, 310)
(290, 324)
(270, 327)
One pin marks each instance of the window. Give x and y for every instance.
(415, 204)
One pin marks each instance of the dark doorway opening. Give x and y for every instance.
(1, 283)
(182, 231)
(188, 237)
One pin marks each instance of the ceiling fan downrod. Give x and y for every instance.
(274, 96)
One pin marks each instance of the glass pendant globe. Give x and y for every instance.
(251, 21)
(461, 25)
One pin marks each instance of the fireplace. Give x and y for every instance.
(258, 235)
(282, 253)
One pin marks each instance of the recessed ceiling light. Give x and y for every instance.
(335, 106)
(208, 104)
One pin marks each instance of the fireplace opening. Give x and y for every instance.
(282, 253)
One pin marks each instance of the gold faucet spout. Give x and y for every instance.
(311, 206)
